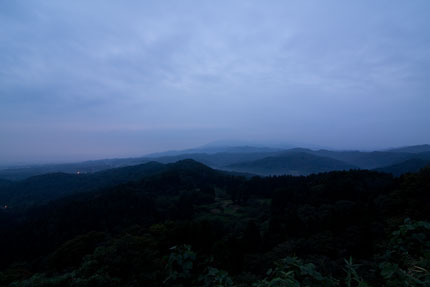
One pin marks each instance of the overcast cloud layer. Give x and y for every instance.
(94, 79)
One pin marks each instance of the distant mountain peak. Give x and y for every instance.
(188, 164)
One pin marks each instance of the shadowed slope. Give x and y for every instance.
(294, 163)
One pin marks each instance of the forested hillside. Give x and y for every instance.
(186, 224)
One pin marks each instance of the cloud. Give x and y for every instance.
(246, 66)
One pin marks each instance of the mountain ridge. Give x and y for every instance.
(223, 157)
(293, 163)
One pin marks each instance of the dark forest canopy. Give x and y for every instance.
(214, 143)
(185, 224)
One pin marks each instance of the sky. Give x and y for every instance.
(100, 79)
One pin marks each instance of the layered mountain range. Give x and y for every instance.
(255, 160)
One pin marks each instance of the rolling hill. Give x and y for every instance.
(43, 188)
(412, 149)
(293, 163)
(228, 157)
(365, 160)
(126, 233)
(411, 165)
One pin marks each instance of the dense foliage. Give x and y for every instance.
(189, 225)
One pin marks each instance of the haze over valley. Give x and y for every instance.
(214, 143)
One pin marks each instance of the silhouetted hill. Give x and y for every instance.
(189, 165)
(118, 220)
(412, 149)
(294, 163)
(366, 160)
(126, 233)
(357, 159)
(411, 165)
(42, 188)
(130, 173)
(223, 157)
(216, 157)
(19, 173)
(217, 160)
(209, 149)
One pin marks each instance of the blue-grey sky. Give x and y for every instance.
(93, 79)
